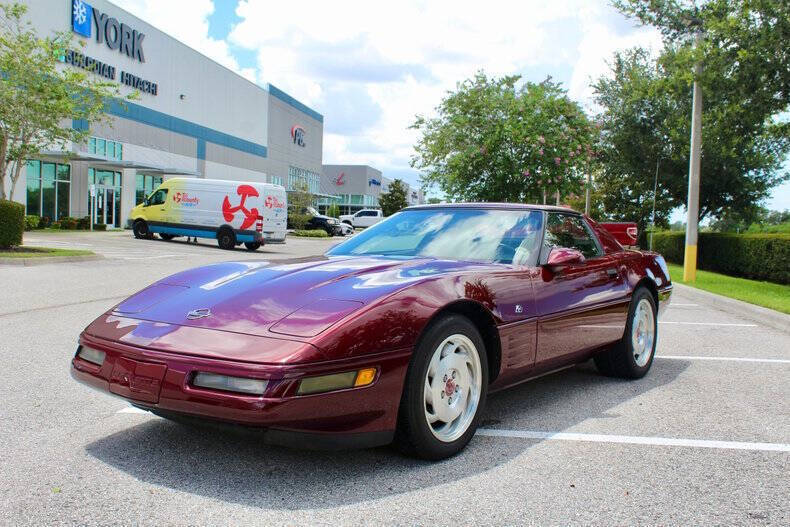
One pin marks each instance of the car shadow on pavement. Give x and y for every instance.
(238, 468)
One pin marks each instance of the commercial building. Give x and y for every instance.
(193, 117)
(356, 187)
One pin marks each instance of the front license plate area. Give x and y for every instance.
(141, 381)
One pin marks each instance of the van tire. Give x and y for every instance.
(226, 238)
(252, 246)
(166, 237)
(140, 230)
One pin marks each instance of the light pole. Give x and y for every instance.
(692, 218)
(653, 220)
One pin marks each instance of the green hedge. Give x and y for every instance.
(12, 223)
(315, 233)
(758, 256)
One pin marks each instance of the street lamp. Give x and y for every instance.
(692, 218)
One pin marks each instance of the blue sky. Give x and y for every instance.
(370, 67)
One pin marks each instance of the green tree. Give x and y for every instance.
(394, 199)
(333, 210)
(498, 140)
(37, 96)
(646, 104)
(434, 201)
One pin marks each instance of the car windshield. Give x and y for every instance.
(480, 235)
(312, 211)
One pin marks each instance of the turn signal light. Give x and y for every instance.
(336, 381)
(365, 377)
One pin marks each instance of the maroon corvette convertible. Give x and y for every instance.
(396, 335)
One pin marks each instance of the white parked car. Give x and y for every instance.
(362, 218)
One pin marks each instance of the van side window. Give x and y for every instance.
(158, 198)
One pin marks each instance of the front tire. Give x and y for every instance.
(632, 357)
(226, 239)
(445, 390)
(140, 230)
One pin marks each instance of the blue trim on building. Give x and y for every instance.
(201, 149)
(80, 124)
(141, 114)
(277, 92)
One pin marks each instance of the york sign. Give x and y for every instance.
(117, 36)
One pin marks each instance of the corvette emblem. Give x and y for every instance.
(199, 313)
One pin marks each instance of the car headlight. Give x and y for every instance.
(332, 222)
(91, 355)
(227, 383)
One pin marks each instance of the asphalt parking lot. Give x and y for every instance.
(703, 439)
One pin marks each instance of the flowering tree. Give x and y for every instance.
(498, 140)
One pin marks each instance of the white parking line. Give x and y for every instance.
(132, 410)
(635, 440)
(730, 359)
(708, 324)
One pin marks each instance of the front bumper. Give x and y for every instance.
(161, 382)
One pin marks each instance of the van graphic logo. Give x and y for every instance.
(81, 14)
(297, 134)
(340, 179)
(182, 198)
(250, 216)
(273, 203)
(199, 313)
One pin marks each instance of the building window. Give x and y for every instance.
(276, 180)
(105, 148)
(302, 177)
(357, 199)
(144, 186)
(48, 189)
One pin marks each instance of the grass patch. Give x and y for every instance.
(315, 233)
(766, 294)
(40, 252)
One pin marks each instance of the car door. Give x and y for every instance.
(581, 306)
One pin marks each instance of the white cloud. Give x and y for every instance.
(370, 67)
(187, 21)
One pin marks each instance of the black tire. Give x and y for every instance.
(252, 246)
(140, 230)
(226, 238)
(413, 435)
(166, 237)
(620, 360)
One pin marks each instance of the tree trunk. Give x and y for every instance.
(15, 176)
(3, 164)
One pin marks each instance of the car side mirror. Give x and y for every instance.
(562, 256)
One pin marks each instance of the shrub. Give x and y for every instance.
(670, 244)
(44, 222)
(55, 225)
(313, 233)
(31, 222)
(333, 210)
(68, 223)
(759, 256)
(84, 223)
(12, 223)
(299, 221)
(99, 227)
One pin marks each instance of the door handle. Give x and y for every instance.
(611, 272)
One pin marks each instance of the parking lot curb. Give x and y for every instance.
(43, 260)
(763, 315)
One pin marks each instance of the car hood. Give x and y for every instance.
(296, 298)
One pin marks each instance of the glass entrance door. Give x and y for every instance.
(105, 205)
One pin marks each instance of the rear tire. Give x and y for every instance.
(252, 246)
(226, 238)
(166, 237)
(445, 390)
(633, 355)
(140, 230)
